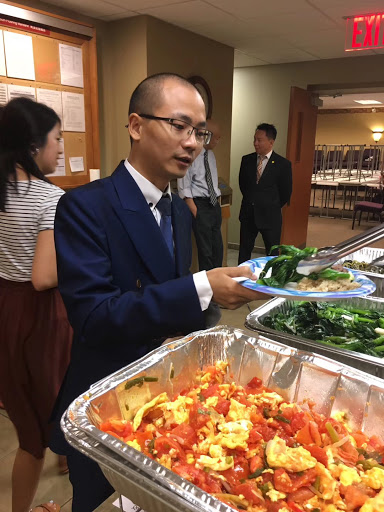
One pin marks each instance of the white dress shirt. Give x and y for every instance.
(194, 183)
(153, 195)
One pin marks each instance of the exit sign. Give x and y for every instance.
(365, 32)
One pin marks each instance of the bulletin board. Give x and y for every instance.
(53, 64)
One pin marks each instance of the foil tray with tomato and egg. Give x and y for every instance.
(255, 451)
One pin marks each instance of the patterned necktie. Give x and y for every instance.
(164, 207)
(260, 167)
(208, 179)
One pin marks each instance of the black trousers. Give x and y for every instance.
(90, 487)
(248, 234)
(207, 228)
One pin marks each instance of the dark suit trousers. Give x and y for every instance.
(207, 229)
(248, 234)
(90, 487)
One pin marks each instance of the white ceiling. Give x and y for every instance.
(347, 100)
(261, 31)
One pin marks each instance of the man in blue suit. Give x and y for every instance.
(123, 258)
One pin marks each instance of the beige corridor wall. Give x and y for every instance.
(170, 48)
(123, 53)
(140, 46)
(348, 128)
(262, 94)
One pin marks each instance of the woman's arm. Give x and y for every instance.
(44, 271)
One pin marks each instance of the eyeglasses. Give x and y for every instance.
(182, 129)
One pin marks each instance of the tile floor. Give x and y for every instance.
(321, 232)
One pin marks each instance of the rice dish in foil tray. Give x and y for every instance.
(319, 385)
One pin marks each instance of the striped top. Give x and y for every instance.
(29, 210)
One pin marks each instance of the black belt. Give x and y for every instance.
(202, 199)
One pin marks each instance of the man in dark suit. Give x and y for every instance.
(265, 181)
(123, 253)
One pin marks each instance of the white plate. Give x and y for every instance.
(366, 285)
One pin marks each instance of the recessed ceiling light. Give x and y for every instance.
(368, 102)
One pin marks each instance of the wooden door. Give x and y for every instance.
(300, 150)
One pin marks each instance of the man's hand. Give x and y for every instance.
(191, 205)
(227, 292)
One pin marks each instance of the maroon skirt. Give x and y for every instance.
(35, 343)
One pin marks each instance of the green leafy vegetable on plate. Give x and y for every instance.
(283, 267)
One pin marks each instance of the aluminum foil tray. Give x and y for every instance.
(295, 374)
(368, 254)
(365, 363)
(125, 477)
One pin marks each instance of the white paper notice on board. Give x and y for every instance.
(17, 91)
(73, 112)
(19, 55)
(51, 99)
(3, 94)
(60, 167)
(76, 163)
(71, 65)
(3, 71)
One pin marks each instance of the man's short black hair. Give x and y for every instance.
(269, 129)
(148, 94)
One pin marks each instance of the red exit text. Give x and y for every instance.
(365, 32)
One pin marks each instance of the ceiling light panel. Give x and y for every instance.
(368, 102)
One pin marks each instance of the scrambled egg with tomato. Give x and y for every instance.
(254, 451)
(279, 455)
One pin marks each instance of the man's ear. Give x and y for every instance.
(134, 126)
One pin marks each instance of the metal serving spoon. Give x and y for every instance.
(327, 256)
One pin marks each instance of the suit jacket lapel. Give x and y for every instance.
(141, 226)
(251, 176)
(252, 169)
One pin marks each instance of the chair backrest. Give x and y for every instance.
(334, 158)
(371, 158)
(352, 155)
(378, 197)
(317, 159)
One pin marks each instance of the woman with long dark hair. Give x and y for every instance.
(35, 335)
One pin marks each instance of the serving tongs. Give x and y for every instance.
(327, 256)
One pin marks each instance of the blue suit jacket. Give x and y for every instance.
(122, 290)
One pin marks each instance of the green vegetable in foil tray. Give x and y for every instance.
(360, 330)
(364, 266)
(283, 267)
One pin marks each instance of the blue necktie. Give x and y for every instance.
(164, 207)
